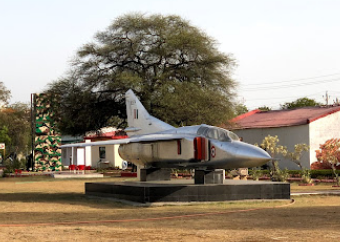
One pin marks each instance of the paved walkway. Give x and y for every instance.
(323, 192)
(68, 175)
(58, 174)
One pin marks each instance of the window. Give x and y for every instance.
(202, 130)
(102, 153)
(217, 134)
(224, 136)
(213, 133)
(233, 136)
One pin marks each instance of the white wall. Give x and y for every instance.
(92, 156)
(66, 155)
(88, 156)
(118, 160)
(111, 156)
(288, 136)
(322, 130)
(81, 156)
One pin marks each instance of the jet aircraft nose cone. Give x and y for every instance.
(260, 154)
(254, 155)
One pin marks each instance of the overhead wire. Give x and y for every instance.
(286, 97)
(296, 83)
(275, 102)
(290, 85)
(295, 80)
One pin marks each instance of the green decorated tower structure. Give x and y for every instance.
(47, 140)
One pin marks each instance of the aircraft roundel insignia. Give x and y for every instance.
(213, 151)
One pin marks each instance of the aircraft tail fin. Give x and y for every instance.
(139, 120)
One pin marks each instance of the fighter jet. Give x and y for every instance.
(156, 144)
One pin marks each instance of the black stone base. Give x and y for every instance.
(144, 192)
(155, 174)
(209, 176)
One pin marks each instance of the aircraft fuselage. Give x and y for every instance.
(204, 147)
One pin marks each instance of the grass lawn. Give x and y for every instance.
(27, 201)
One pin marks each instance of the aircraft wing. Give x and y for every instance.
(98, 143)
(135, 139)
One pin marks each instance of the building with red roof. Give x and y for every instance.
(309, 125)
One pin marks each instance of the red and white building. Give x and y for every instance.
(94, 156)
(309, 125)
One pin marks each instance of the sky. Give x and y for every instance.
(284, 49)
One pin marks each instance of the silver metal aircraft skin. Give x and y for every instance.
(155, 143)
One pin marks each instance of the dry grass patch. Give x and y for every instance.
(35, 200)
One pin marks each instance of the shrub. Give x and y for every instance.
(306, 176)
(256, 173)
(323, 173)
(11, 165)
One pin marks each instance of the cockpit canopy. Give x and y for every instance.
(218, 134)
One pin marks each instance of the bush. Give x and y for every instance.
(256, 173)
(281, 175)
(264, 172)
(306, 176)
(294, 172)
(323, 173)
(10, 165)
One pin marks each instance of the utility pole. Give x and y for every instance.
(33, 126)
(326, 97)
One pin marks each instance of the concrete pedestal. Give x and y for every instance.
(187, 191)
(155, 174)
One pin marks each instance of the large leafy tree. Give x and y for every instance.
(5, 95)
(15, 128)
(15, 120)
(174, 67)
(299, 103)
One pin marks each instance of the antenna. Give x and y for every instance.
(326, 97)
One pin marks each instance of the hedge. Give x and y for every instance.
(314, 173)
